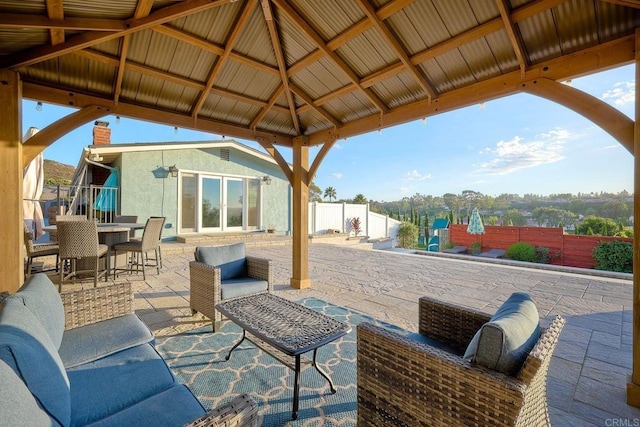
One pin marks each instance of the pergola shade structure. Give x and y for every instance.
(296, 73)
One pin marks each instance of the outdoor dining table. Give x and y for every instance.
(110, 234)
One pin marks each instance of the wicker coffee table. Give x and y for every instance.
(285, 330)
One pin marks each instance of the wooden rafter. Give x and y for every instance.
(303, 26)
(392, 41)
(468, 36)
(18, 20)
(282, 66)
(514, 38)
(55, 11)
(271, 104)
(90, 38)
(143, 8)
(236, 30)
(173, 78)
(213, 48)
(627, 3)
(307, 99)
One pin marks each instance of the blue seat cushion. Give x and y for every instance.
(231, 259)
(26, 347)
(41, 297)
(175, 406)
(18, 407)
(113, 383)
(503, 343)
(97, 340)
(234, 288)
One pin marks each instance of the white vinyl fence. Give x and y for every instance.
(338, 216)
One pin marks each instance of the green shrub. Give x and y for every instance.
(407, 235)
(521, 251)
(542, 255)
(614, 256)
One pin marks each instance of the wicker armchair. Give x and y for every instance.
(206, 285)
(35, 250)
(87, 306)
(403, 382)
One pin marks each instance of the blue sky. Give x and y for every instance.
(518, 144)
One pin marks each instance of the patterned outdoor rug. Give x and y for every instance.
(198, 359)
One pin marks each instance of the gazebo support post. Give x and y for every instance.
(300, 279)
(633, 386)
(11, 166)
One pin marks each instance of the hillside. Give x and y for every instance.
(57, 173)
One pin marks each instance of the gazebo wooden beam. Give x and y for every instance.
(55, 11)
(633, 384)
(56, 130)
(154, 115)
(11, 166)
(610, 119)
(602, 57)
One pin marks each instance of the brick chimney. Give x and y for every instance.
(101, 133)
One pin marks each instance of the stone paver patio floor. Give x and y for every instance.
(588, 374)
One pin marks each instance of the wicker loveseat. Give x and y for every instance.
(404, 381)
(224, 272)
(84, 358)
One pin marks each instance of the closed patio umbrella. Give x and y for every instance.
(475, 223)
(32, 185)
(107, 198)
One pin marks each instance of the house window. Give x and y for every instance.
(219, 203)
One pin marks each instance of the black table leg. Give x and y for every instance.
(244, 335)
(296, 389)
(323, 373)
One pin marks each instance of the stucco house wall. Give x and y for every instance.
(148, 189)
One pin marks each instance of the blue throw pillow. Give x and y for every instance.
(503, 343)
(231, 259)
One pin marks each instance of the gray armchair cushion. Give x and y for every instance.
(26, 347)
(41, 297)
(503, 343)
(230, 259)
(234, 288)
(97, 340)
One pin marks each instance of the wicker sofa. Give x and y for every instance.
(224, 272)
(409, 381)
(85, 358)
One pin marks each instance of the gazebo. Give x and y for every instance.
(296, 74)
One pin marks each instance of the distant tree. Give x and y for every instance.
(552, 217)
(315, 193)
(360, 199)
(330, 192)
(471, 199)
(615, 209)
(493, 220)
(594, 225)
(513, 217)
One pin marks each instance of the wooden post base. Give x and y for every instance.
(300, 283)
(633, 393)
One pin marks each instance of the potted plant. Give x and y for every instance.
(475, 248)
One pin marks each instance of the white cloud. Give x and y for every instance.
(510, 156)
(337, 175)
(404, 190)
(414, 175)
(623, 93)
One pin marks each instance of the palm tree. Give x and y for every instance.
(360, 199)
(330, 192)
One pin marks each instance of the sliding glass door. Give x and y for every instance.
(211, 203)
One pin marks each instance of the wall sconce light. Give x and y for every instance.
(266, 179)
(117, 120)
(39, 106)
(173, 170)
